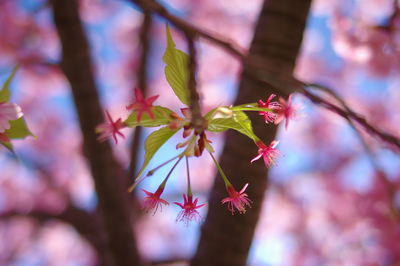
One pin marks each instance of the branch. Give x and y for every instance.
(389, 185)
(349, 114)
(107, 174)
(87, 224)
(142, 82)
(153, 6)
(226, 240)
(256, 68)
(198, 122)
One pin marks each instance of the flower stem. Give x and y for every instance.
(152, 171)
(189, 189)
(226, 181)
(170, 172)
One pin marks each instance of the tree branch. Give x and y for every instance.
(225, 240)
(282, 84)
(198, 122)
(107, 174)
(87, 224)
(142, 82)
(153, 6)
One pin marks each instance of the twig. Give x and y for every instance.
(375, 164)
(365, 145)
(153, 6)
(256, 69)
(142, 83)
(350, 114)
(198, 121)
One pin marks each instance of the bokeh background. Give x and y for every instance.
(328, 202)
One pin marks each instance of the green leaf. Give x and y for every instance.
(238, 121)
(153, 143)
(176, 69)
(161, 117)
(8, 145)
(5, 89)
(18, 129)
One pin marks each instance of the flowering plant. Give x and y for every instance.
(219, 119)
(12, 122)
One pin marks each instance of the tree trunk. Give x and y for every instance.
(226, 239)
(108, 176)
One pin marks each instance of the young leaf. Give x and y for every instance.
(18, 129)
(153, 143)
(5, 89)
(161, 115)
(239, 121)
(7, 145)
(176, 69)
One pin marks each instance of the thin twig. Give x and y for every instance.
(371, 155)
(256, 69)
(198, 121)
(350, 114)
(153, 6)
(142, 81)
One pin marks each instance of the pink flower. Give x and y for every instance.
(188, 212)
(269, 116)
(269, 153)
(287, 111)
(237, 200)
(142, 105)
(110, 128)
(153, 200)
(8, 111)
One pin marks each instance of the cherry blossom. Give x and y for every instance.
(153, 200)
(287, 111)
(189, 209)
(237, 200)
(110, 128)
(142, 105)
(269, 153)
(269, 116)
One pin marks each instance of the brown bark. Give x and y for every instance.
(109, 178)
(226, 239)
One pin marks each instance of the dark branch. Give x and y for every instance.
(109, 178)
(198, 121)
(225, 240)
(142, 83)
(153, 6)
(254, 67)
(348, 114)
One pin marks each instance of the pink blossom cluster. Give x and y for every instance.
(272, 111)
